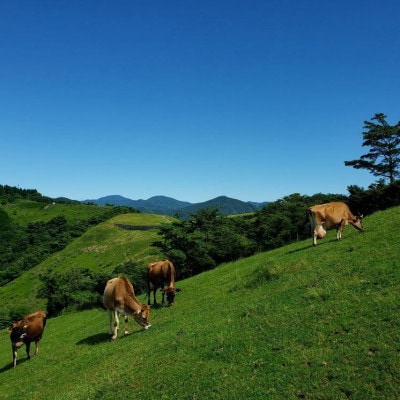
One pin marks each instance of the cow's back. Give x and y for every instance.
(116, 292)
(110, 292)
(161, 272)
(35, 324)
(332, 213)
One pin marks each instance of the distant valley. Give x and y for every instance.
(169, 206)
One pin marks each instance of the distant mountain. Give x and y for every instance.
(169, 206)
(226, 205)
(154, 205)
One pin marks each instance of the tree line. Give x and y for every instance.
(208, 238)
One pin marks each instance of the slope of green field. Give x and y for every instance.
(294, 323)
(100, 249)
(27, 211)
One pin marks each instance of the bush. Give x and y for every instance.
(136, 273)
(76, 289)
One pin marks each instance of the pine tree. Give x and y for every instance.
(383, 158)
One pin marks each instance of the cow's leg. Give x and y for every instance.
(14, 351)
(319, 232)
(339, 230)
(154, 296)
(110, 329)
(163, 295)
(126, 325)
(28, 349)
(148, 291)
(116, 325)
(315, 235)
(37, 346)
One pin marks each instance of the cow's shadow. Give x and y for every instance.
(11, 365)
(95, 339)
(104, 337)
(157, 306)
(298, 250)
(7, 367)
(312, 247)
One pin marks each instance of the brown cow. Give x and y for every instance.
(335, 215)
(159, 274)
(29, 329)
(119, 297)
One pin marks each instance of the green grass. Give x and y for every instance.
(100, 249)
(294, 323)
(26, 211)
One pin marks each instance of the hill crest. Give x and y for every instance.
(170, 206)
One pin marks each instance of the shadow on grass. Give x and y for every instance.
(11, 365)
(103, 337)
(311, 246)
(95, 339)
(300, 249)
(158, 306)
(7, 367)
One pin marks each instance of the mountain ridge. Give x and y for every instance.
(170, 206)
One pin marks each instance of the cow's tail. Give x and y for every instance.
(311, 219)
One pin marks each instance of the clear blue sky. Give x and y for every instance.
(193, 99)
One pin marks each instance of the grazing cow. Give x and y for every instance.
(28, 329)
(119, 297)
(159, 274)
(335, 215)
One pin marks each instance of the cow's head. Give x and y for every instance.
(17, 332)
(357, 222)
(170, 292)
(142, 317)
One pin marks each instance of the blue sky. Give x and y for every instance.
(254, 99)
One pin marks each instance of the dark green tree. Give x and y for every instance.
(203, 241)
(383, 158)
(75, 289)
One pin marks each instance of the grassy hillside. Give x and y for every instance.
(294, 323)
(101, 248)
(26, 211)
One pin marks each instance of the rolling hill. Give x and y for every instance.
(100, 249)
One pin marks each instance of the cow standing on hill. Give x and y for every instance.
(160, 274)
(29, 329)
(119, 297)
(335, 215)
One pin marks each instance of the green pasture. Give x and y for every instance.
(27, 211)
(100, 249)
(294, 323)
